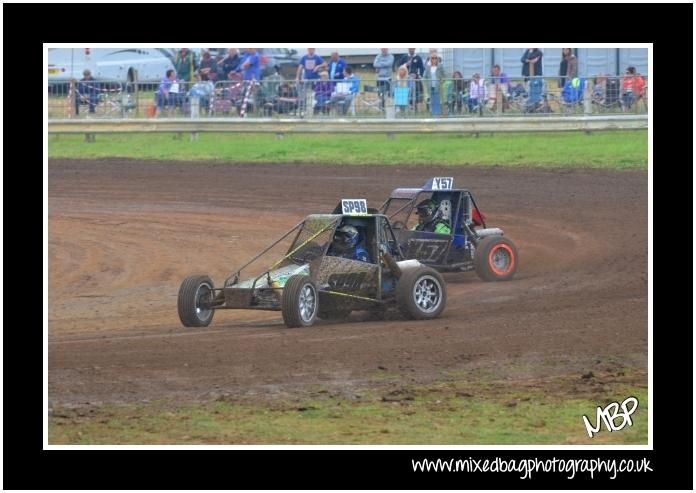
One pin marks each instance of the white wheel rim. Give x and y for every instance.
(427, 294)
(307, 302)
(202, 292)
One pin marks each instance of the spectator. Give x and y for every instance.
(230, 63)
(477, 93)
(500, 78)
(335, 66)
(307, 73)
(455, 95)
(322, 92)
(383, 67)
(346, 91)
(413, 62)
(203, 90)
(531, 63)
(501, 82)
(185, 64)
(354, 80)
(286, 101)
(415, 65)
(232, 87)
(631, 88)
(207, 68)
(167, 95)
(251, 74)
(569, 66)
(273, 81)
(434, 77)
(416, 95)
(433, 51)
(309, 65)
(87, 92)
(598, 89)
(402, 88)
(250, 65)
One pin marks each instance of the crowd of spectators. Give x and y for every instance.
(321, 85)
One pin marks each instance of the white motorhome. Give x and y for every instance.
(113, 64)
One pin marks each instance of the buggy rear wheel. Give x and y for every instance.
(300, 302)
(194, 292)
(496, 259)
(421, 293)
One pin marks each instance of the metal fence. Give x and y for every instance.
(366, 98)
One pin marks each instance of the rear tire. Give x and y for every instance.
(193, 290)
(496, 259)
(300, 302)
(421, 293)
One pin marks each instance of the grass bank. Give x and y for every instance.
(548, 412)
(609, 150)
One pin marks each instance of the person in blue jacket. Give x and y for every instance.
(347, 243)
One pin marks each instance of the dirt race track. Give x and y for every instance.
(123, 234)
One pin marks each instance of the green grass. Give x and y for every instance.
(446, 413)
(611, 150)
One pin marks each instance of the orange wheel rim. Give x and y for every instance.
(501, 259)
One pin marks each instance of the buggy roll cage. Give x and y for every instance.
(417, 192)
(236, 274)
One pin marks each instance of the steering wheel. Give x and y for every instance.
(399, 225)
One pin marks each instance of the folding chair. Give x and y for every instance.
(370, 103)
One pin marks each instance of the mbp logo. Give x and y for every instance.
(609, 414)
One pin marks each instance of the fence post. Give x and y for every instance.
(308, 100)
(498, 100)
(71, 99)
(389, 108)
(195, 108)
(587, 99)
(137, 93)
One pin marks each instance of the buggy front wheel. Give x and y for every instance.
(421, 293)
(300, 302)
(195, 294)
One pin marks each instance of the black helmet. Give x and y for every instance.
(426, 209)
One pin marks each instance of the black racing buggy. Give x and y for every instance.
(309, 281)
(470, 245)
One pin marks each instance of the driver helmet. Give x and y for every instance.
(346, 237)
(426, 209)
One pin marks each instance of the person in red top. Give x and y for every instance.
(631, 88)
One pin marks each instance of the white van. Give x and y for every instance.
(117, 64)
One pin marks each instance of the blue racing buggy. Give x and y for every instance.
(318, 276)
(454, 236)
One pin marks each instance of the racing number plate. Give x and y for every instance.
(443, 183)
(354, 207)
(427, 250)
